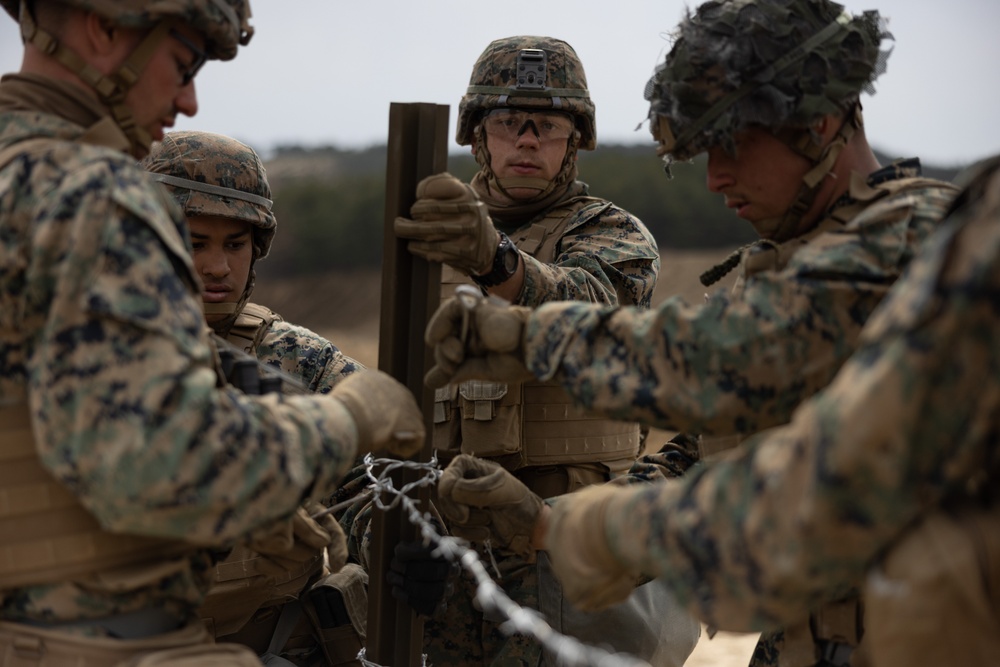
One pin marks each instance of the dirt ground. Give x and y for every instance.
(344, 309)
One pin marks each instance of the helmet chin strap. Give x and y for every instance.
(231, 310)
(111, 89)
(782, 228)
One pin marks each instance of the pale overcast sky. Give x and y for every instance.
(322, 72)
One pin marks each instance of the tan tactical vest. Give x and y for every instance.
(535, 423)
(46, 535)
(935, 597)
(240, 590)
(251, 326)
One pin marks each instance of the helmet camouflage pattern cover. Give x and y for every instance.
(211, 174)
(496, 82)
(224, 23)
(770, 63)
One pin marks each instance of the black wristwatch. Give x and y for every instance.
(505, 263)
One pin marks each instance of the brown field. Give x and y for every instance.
(345, 309)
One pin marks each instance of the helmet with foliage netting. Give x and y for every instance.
(775, 64)
(211, 174)
(223, 23)
(528, 72)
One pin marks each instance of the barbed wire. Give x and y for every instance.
(568, 651)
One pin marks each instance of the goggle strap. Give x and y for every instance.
(208, 188)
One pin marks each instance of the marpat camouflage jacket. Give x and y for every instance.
(101, 331)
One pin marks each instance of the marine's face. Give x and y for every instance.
(223, 254)
(165, 87)
(761, 180)
(527, 154)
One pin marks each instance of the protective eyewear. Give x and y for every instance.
(512, 123)
(200, 57)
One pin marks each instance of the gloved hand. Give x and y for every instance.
(450, 225)
(288, 545)
(591, 577)
(477, 338)
(419, 579)
(385, 412)
(483, 501)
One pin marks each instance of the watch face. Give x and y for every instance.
(510, 260)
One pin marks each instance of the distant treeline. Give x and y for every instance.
(330, 203)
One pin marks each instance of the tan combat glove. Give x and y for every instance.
(385, 412)
(288, 545)
(450, 225)
(477, 338)
(482, 501)
(592, 578)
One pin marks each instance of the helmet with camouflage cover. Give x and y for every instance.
(215, 175)
(224, 24)
(212, 174)
(512, 73)
(776, 64)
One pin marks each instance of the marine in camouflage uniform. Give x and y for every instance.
(222, 187)
(888, 476)
(125, 465)
(769, 89)
(526, 229)
(194, 165)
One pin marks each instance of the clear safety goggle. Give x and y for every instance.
(198, 57)
(512, 123)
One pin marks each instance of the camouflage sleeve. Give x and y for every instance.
(124, 399)
(609, 259)
(729, 365)
(800, 512)
(306, 355)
